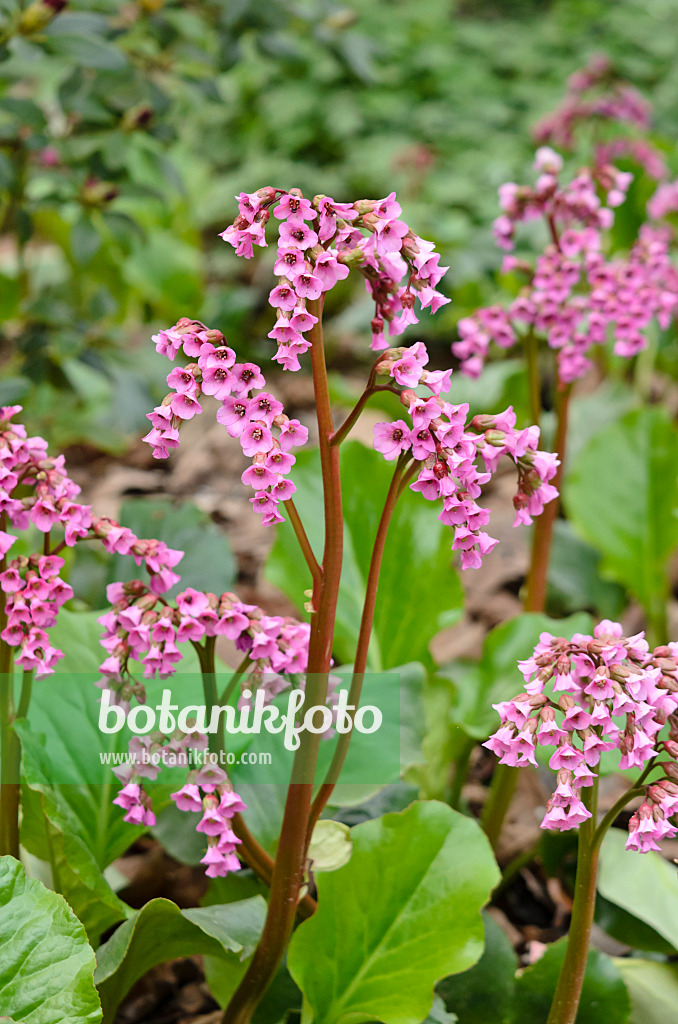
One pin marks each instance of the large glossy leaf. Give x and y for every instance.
(652, 988)
(208, 562)
(161, 931)
(404, 912)
(604, 999)
(46, 962)
(419, 590)
(497, 676)
(622, 496)
(645, 885)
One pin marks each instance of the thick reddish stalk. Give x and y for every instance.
(289, 864)
(535, 599)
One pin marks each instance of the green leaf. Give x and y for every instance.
(485, 992)
(574, 577)
(501, 384)
(85, 240)
(645, 885)
(10, 297)
(63, 706)
(653, 990)
(363, 956)
(51, 824)
(622, 496)
(604, 998)
(88, 51)
(497, 676)
(46, 962)
(419, 591)
(160, 931)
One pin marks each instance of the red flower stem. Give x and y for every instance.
(352, 417)
(543, 530)
(289, 864)
(304, 542)
(399, 478)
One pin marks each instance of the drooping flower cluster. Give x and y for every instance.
(209, 791)
(448, 449)
(35, 490)
(147, 756)
(141, 627)
(144, 627)
(576, 296)
(318, 241)
(590, 695)
(250, 417)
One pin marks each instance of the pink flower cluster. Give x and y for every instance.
(136, 804)
(590, 695)
(250, 417)
(318, 240)
(616, 101)
(448, 448)
(664, 201)
(576, 296)
(144, 628)
(33, 588)
(218, 804)
(574, 203)
(217, 801)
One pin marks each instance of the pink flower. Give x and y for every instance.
(391, 439)
(297, 235)
(256, 437)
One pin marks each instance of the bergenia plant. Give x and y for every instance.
(435, 448)
(584, 698)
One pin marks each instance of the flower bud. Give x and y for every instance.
(38, 15)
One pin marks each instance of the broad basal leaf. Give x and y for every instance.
(161, 931)
(404, 912)
(46, 963)
(497, 676)
(645, 885)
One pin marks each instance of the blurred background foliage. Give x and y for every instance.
(127, 128)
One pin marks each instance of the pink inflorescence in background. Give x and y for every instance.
(576, 295)
(591, 695)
